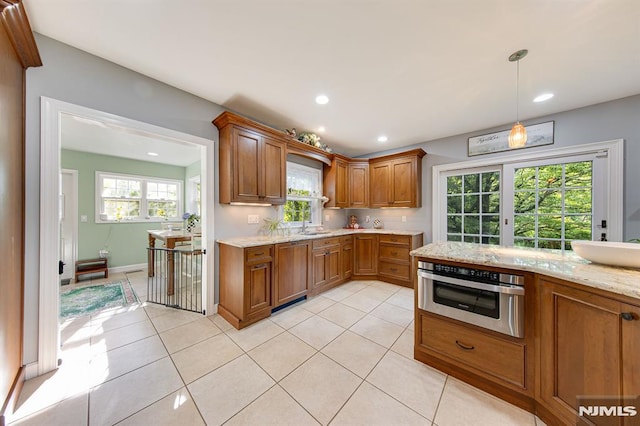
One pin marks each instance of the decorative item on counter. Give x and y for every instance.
(377, 224)
(291, 132)
(191, 220)
(353, 222)
(273, 226)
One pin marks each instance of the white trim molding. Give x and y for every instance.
(50, 145)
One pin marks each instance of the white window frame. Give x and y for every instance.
(100, 216)
(612, 196)
(316, 201)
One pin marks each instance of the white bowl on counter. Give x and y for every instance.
(609, 252)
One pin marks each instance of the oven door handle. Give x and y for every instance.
(505, 289)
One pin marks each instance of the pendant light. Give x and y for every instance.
(518, 134)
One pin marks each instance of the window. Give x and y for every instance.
(137, 198)
(304, 188)
(545, 202)
(473, 207)
(193, 196)
(553, 205)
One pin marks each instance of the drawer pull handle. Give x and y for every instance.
(394, 269)
(465, 347)
(627, 316)
(258, 254)
(394, 253)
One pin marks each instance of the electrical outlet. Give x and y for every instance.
(83, 218)
(253, 218)
(404, 219)
(326, 217)
(367, 219)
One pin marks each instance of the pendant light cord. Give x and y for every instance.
(518, 91)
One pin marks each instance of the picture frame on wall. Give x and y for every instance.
(537, 135)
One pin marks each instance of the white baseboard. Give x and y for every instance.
(31, 370)
(128, 268)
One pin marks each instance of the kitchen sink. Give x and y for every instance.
(316, 232)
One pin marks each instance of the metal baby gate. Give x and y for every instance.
(175, 277)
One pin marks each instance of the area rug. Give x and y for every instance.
(87, 300)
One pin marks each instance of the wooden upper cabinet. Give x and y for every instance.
(396, 180)
(359, 184)
(336, 182)
(253, 161)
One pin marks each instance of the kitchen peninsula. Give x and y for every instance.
(259, 274)
(581, 330)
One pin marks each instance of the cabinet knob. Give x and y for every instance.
(465, 347)
(627, 316)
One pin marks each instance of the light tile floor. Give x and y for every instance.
(342, 358)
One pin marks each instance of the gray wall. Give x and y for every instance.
(619, 119)
(77, 77)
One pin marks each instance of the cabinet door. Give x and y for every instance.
(380, 184)
(342, 182)
(587, 348)
(347, 260)
(366, 255)
(274, 175)
(320, 270)
(247, 170)
(334, 266)
(358, 185)
(403, 183)
(258, 280)
(292, 272)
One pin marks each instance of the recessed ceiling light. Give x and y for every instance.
(321, 129)
(543, 97)
(382, 138)
(153, 154)
(322, 99)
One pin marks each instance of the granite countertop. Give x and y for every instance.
(554, 263)
(261, 240)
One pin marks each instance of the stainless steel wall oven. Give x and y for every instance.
(476, 296)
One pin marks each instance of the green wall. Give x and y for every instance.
(127, 242)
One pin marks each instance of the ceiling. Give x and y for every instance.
(89, 135)
(413, 70)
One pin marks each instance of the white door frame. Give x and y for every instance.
(72, 206)
(50, 131)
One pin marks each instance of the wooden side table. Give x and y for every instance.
(92, 266)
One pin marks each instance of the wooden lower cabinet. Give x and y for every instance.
(394, 262)
(346, 255)
(327, 268)
(366, 255)
(292, 271)
(589, 346)
(246, 277)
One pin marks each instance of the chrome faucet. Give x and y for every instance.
(304, 227)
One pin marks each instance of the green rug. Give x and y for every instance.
(86, 300)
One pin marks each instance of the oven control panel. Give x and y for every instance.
(458, 271)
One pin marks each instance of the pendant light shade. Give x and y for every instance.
(518, 134)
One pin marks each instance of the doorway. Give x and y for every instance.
(52, 113)
(68, 224)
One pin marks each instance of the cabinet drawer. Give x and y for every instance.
(498, 357)
(325, 242)
(399, 240)
(258, 254)
(394, 252)
(395, 270)
(346, 240)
